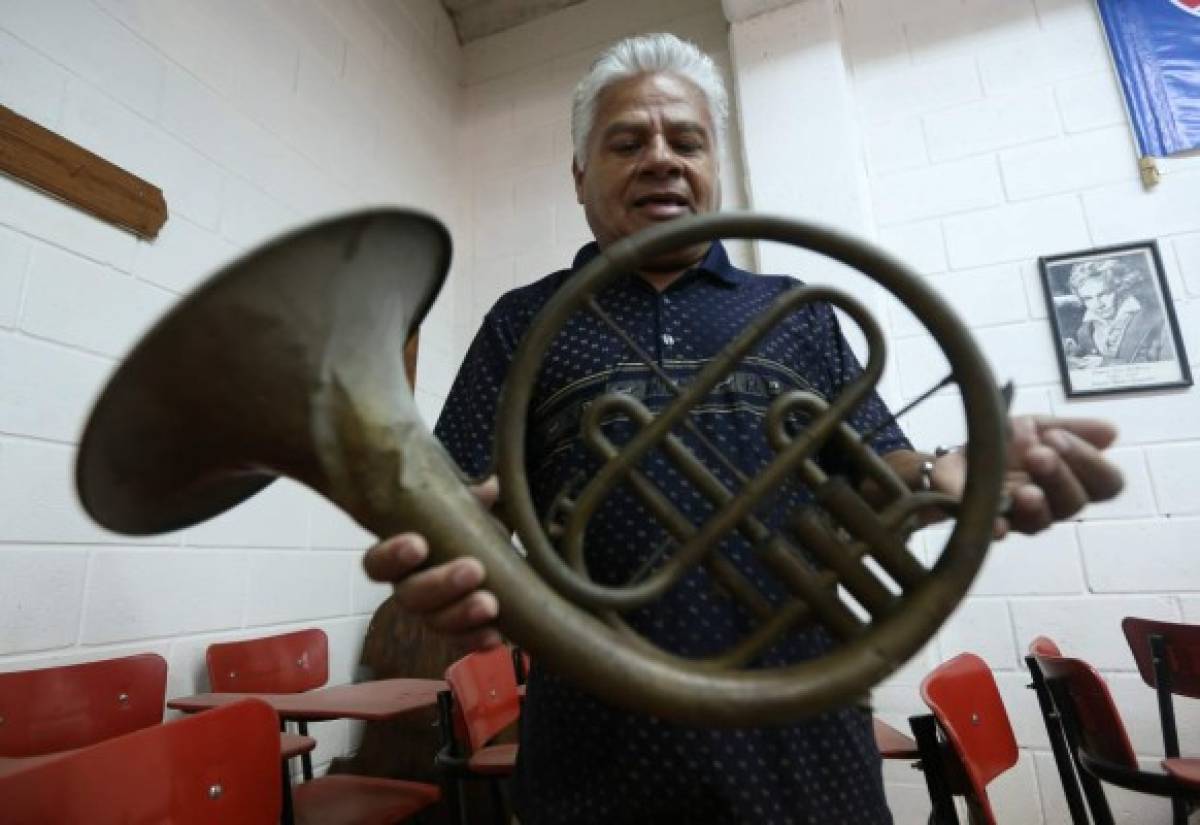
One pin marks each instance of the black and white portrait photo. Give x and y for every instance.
(1114, 325)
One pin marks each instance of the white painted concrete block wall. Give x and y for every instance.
(251, 116)
(995, 133)
(518, 91)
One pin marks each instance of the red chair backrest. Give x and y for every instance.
(1182, 643)
(1044, 646)
(484, 686)
(1100, 731)
(59, 708)
(963, 696)
(218, 766)
(288, 663)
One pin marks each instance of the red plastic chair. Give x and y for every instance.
(221, 766)
(963, 696)
(1044, 646)
(287, 663)
(1098, 740)
(1168, 659)
(60, 708)
(483, 700)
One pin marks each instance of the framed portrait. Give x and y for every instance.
(1113, 322)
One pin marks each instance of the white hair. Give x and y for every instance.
(643, 54)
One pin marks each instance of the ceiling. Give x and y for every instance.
(475, 19)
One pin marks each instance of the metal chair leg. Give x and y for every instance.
(924, 730)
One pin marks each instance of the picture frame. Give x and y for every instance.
(1113, 321)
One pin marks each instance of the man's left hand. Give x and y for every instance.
(1056, 466)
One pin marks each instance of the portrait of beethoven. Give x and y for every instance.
(1114, 325)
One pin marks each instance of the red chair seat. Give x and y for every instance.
(362, 800)
(292, 745)
(494, 760)
(1185, 769)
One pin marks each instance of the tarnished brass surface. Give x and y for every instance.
(290, 362)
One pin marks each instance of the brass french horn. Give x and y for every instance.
(288, 362)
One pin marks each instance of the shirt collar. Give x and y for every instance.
(715, 262)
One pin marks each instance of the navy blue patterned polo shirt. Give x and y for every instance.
(582, 760)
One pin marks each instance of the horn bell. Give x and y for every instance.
(252, 345)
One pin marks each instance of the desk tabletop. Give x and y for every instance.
(369, 701)
(892, 743)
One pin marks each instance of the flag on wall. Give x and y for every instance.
(1156, 48)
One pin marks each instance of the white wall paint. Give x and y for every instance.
(518, 90)
(992, 132)
(251, 116)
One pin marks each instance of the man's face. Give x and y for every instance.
(651, 157)
(1099, 298)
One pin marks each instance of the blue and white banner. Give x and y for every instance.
(1156, 47)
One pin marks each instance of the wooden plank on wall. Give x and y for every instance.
(40, 158)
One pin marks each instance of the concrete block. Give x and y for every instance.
(1143, 556)
(1125, 211)
(1070, 164)
(1010, 793)
(31, 84)
(1022, 707)
(41, 592)
(89, 43)
(366, 595)
(1050, 792)
(189, 35)
(275, 517)
(987, 296)
(982, 627)
(1037, 58)
(920, 245)
(38, 484)
(47, 387)
(941, 189)
(1015, 232)
(993, 123)
(330, 527)
(1171, 417)
(64, 292)
(313, 28)
(895, 145)
(571, 229)
(181, 256)
(1019, 352)
(492, 277)
(1053, 554)
(141, 594)
(190, 182)
(293, 586)
(1090, 101)
(1173, 469)
(250, 216)
(914, 90)
(1088, 627)
(1187, 252)
(1136, 500)
(14, 261)
(35, 214)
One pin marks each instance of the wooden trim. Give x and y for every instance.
(50, 163)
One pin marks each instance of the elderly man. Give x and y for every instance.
(647, 122)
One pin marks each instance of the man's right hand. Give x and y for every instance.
(450, 598)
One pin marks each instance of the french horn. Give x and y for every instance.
(288, 361)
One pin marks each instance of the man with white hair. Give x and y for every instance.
(647, 122)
